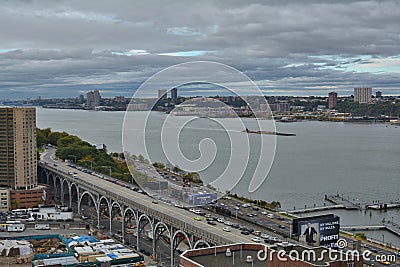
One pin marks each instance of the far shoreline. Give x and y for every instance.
(276, 118)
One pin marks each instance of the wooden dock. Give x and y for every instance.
(393, 228)
(312, 209)
(340, 200)
(384, 206)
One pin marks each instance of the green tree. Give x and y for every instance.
(41, 138)
(361, 236)
(54, 136)
(159, 165)
(275, 205)
(68, 141)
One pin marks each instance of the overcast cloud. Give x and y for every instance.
(65, 48)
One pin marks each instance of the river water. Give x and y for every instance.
(359, 160)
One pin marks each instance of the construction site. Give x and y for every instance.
(65, 250)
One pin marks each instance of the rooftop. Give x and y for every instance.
(216, 256)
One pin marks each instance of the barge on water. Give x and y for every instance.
(268, 132)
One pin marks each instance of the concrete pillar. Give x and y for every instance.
(62, 193)
(110, 216)
(172, 245)
(138, 234)
(98, 216)
(154, 242)
(70, 195)
(123, 223)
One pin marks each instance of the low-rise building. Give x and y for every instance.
(4, 199)
(281, 254)
(29, 198)
(88, 249)
(53, 213)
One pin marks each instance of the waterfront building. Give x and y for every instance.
(174, 95)
(120, 99)
(162, 94)
(362, 94)
(332, 100)
(81, 98)
(280, 108)
(378, 94)
(93, 99)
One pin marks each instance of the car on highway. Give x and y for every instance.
(197, 218)
(384, 262)
(154, 201)
(271, 240)
(212, 222)
(281, 226)
(220, 220)
(265, 236)
(226, 229)
(244, 232)
(373, 250)
(235, 225)
(256, 239)
(270, 215)
(250, 230)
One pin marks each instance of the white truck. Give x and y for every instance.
(42, 226)
(16, 227)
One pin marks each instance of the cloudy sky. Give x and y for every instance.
(65, 48)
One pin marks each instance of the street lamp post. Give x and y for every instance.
(383, 239)
(107, 167)
(236, 213)
(73, 156)
(91, 163)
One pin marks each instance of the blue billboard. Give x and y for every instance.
(202, 199)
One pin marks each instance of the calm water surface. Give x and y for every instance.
(361, 161)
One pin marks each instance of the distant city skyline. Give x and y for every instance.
(190, 93)
(65, 49)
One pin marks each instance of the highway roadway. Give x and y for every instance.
(184, 215)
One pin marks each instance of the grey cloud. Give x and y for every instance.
(64, 47)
